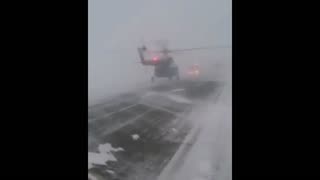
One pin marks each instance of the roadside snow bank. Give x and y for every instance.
(210, 155)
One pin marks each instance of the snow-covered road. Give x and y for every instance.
(163, 133)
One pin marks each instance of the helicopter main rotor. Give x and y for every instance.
(167, 51)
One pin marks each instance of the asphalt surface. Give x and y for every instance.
(149, 125)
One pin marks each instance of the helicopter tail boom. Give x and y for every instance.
(141, 50)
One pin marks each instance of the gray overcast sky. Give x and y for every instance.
(120, 24)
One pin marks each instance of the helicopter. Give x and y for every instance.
(164, 65)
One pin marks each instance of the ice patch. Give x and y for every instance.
(107, 148)
(91, 177)
(177, 90)
(103, 156)
(135, 137)
(100, 158)
(174, 130)
(110, 171)
(179, 99)
(156, 96)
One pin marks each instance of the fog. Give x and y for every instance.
(117, 27)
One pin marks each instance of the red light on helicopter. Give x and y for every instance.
(155, 58)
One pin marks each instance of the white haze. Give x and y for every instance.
(210, 157)
(116, 28)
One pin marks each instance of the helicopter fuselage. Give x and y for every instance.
(166, 68)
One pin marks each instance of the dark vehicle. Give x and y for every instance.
(194, 70)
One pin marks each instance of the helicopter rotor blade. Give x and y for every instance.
(191, 49)
(199, 48)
